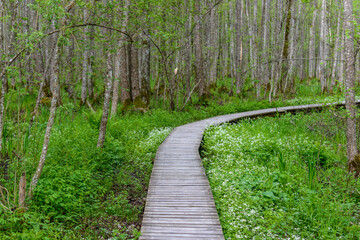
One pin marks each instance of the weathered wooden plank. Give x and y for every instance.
(182, 229)
(179, 237)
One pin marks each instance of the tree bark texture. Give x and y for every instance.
(200, 78)
(350, 85)
(106, 106)
(124, 71)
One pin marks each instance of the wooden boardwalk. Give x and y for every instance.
(180, 203)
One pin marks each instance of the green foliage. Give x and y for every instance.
(86, 192)
(273, 178)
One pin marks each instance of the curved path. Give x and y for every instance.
(180, 204)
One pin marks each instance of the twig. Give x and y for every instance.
(188, 98)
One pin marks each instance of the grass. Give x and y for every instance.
(283, 178)
(91, 193)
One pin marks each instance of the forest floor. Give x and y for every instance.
(283, 177)
(92, 193)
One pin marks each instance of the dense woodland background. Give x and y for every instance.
(82, 70)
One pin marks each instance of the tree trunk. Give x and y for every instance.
(3, 89)
(238, 46)
(198, 51)
(214, 37)
(312, 47)
(292, 45)
(22, 190)
(145, 90)
(135, 86)
(336, 51)
(106, 106)
(342, 58)
(350, 87)
(265, 46)
(255, 62)
(124, 76)
(115, 97)
(286, 43)
(55, 89)
(84, 66)
(188, 52)
(323, 48)
(91, 80)
(84, 82)
(2, 107)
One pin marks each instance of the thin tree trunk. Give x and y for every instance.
(198, 51)
(336, 51)
(84, 82)
(342, 58)
(2, 107)
(312, 47)
(238, 45)
(350, 87)
(2, 97)
(40, 167)
(145, 90)
(214, 37)
(115, 98)
(232, 61)
(285, 54)
(124, 76)
(323, 47)
(265, 46)
(135, 86)
(55, 94)
(106, 106)
(22, 190)
(290, 73)
(91, 80)
(255, 49)
(188, 52)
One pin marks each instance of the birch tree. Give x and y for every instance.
(55, 89)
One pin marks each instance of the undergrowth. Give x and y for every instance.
(86, 192)
(283, 178)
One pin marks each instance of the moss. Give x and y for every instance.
(126, 105)
(138, 103)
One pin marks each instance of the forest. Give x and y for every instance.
(90, 89)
